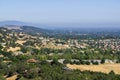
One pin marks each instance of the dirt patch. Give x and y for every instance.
(105, 68)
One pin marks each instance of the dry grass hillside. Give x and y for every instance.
(105, 68)
(20, 42)
(13, 49)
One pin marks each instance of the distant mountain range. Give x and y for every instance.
(72, 27)
(20, 23)
(44, 26)
(57, 32)
(2, 23)
(27, 29)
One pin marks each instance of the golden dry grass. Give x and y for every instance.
(105, 68)
(14, 77)
(20, 42)
(13, 49)
(54, 46)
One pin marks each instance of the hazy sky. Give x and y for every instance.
(61, 11)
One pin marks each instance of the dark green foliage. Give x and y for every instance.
(2, 78)
(112, 72)
(95, 63)
(23, 49)
(87, 62)
(1, 46)
(66, 61)
(102, 61)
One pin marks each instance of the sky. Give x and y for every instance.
(61, 11)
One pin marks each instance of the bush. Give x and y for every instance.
(95, 63)
(102, 61)
(66, 61)
(87, 62)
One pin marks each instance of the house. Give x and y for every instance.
(49, 61)
(74, 60)
(66, 68)
(18, 53)
(61, 61)
(108, 61)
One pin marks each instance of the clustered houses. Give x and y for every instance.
(106, 61)
(75, 43)
(113, 44)
(39, 41)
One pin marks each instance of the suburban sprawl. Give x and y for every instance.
(30, 53)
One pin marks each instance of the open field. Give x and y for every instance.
(105, 68)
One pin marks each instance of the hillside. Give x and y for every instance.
(27, 29)
(105, 68)
(29, 53)
(13, 22)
